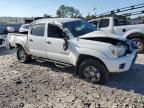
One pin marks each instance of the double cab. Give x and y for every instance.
(74, 42)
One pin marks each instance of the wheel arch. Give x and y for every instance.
(135, 35)
(20, 45)
(83, 57)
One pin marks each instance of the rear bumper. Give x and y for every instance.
(121, 64)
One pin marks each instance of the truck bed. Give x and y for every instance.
(14, 38)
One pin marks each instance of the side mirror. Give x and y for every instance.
(65, 45)
(10, 29)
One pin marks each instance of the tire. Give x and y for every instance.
(22, 56)
(138, 44)
(100, 76)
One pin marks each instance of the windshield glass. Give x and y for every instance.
(79, 28)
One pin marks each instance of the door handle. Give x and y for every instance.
(48, 42)
(31, 40)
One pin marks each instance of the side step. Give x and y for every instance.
(57, 64)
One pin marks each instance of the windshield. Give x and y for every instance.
(79, 28)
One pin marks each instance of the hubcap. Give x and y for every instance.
(21, 55)
(92, 73)
(138, 45)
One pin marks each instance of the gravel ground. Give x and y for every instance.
(42, 85)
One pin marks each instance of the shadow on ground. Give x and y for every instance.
(6, 51)
(132, 80)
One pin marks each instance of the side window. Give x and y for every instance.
(55, 32)
(120, 23)
(104, 23)
(38, 30)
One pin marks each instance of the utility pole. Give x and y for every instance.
(94, 9)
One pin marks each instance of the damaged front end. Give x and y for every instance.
(118, 47)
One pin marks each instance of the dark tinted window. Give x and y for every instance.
(2, 29)
(55, 32)
(104, 23)
(121, 23)
(38, 30)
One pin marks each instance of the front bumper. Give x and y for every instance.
(121, 64)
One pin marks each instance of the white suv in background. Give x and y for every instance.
(24, 28)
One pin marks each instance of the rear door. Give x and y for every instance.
(120, 27)
(36, 40)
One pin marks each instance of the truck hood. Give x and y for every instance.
(101, 34)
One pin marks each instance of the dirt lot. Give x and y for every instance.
(42, 85)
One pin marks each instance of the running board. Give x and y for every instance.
(57, 64)
(60, 65)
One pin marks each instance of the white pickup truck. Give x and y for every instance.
(74, 42)
(122, 28)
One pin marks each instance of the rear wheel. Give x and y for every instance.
(93, 71)
(138, 44)
(22, 56)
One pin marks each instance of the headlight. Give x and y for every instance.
(118, 51)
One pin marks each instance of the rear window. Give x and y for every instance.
(104, 23)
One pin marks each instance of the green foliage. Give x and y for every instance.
(46, 16)
(90, 17)
(66, 11)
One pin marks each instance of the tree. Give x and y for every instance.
(66, 11)
(46, 16)
(90, 17)
(62, 11)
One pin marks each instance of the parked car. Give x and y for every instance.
(74, 42)
(122, 28)
(24, 28)
(4, 31)
(2, 41)
(2, 36)
(16, 26)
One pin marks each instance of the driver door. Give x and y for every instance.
(55, 44)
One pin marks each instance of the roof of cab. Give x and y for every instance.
(61, 20)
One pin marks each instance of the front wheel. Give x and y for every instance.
(138, 44)
(94, 71)
(22, 56)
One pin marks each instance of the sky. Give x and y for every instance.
(35, 8)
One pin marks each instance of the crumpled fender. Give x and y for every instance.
(23, 45)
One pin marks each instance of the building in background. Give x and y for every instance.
(15, 20)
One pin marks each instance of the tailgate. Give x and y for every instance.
(13, 38)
